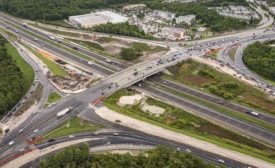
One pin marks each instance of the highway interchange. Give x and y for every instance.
(46, 121)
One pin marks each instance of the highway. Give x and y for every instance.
(47, 120)
(129, 138)
(227, 121)
(56, 50)
(213, 99)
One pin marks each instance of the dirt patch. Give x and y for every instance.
(199, 81)
(47, 55)
(152, 109)
(259, 102)
(129, 100)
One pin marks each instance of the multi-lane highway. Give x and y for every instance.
(108, 138)
(213, 99)
(44, 122)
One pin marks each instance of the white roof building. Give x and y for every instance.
(173, 33)
(97, 18)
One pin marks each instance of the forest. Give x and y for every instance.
(11, 81)
(58, 10)
(124, 29)
(162, 157)
(260, 57)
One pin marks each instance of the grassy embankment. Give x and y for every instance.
(53, 67)
(209, 80)
(26, 69)
(178, 120)
(232, 52)
(75, 125)
(218, 108)
(53, 97)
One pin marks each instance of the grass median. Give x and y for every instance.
(180, 121)
(206, 79)
(75, 125)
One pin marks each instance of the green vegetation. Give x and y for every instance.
(124, 29)
(162, 157)
(56, 10)
(136, 51)
(53, 97)
(203, 77)
(260, 58)
(89, 44)
(129, 54)
(219, 3)
(75, 125)
(60, 23)
(178, 120)
(16, 76)
(232, 52)
(26, 69)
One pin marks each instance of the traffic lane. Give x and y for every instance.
(60, 52)
(240, 64)
(29, 130)
(126, 138)
(244, 127)
(213, 99)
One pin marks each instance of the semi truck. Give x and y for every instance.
(64, 111)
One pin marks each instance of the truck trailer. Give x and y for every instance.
(64, 111)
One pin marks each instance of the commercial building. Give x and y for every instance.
(172, 33)
(97, 18)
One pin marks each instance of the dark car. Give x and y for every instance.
(51, 140)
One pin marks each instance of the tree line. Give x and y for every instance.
(124, 29)
(58, 10)
(11, 80)
(260, 57)
(162, 157)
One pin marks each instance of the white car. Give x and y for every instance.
(21, 130)
(221, 161)
(11, 143)
(109, 61)
(254, 113)
(71, 136)
(188, 150)
(90, 63)
(36, 130)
